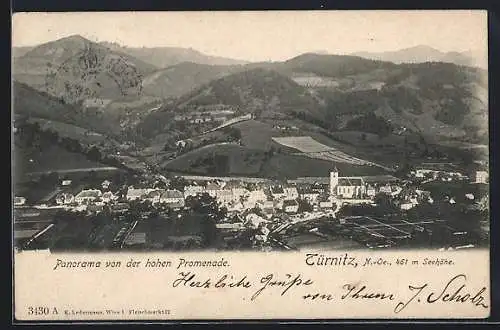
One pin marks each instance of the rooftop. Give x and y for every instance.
(311, 180)
(89, 193)
(64, 195)
(233, 184)
(213, 186)
(172, 194)
(154, 193)
(290, 203)
(350, 182)
(307, 190)
(136, 192)
(119, 207)
(176, 204)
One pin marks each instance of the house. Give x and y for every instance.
(326, 204)
(395, 190)
(18, 201)
(254, 221)
(119, 208)
(309, 194)
(423, 173)
(193, 190)
(255, 196)
(481, 177)
(422, 194)
(66, 182)
(265, 231)
(87, 195)
(278, 192)
(346, 187)
(108, 196)
(172, 198)
(266, 206)
(350, 188)
(224, 196)
(406, 206)
(230, 226)
(290, 206)
(154, 196)
(413, 199)
(370, 191)
(65, 198)
(240, 194)
(180, 144)
(291, 193)
(133, 194)
(237, 188)
(213, 188)
(386, 189)
(80, 208)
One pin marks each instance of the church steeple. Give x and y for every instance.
(334, 181)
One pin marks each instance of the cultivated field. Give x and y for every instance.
(312, 148)
(256, 134)
(70, 131)
(50, 159)
(316, 81)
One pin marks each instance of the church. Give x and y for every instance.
(346, 187)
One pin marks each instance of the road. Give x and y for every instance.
(230, 122)
(75, 170)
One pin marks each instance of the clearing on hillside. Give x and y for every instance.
(312, 148)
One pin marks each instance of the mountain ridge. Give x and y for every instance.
(75, 69)
(165, 56)
(423, 53)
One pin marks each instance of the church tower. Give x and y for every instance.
(334, 181)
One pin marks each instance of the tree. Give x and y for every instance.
(203, 204)
(208, 210)
(384, 202)
(94, 154)
(304, 206)
(178, 183)
(235, 133)
(160, 185)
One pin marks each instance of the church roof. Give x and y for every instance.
(350, 182)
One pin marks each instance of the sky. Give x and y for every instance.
(266, 35)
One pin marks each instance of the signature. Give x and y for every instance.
(455, 291)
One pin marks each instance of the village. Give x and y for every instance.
(270, 214)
